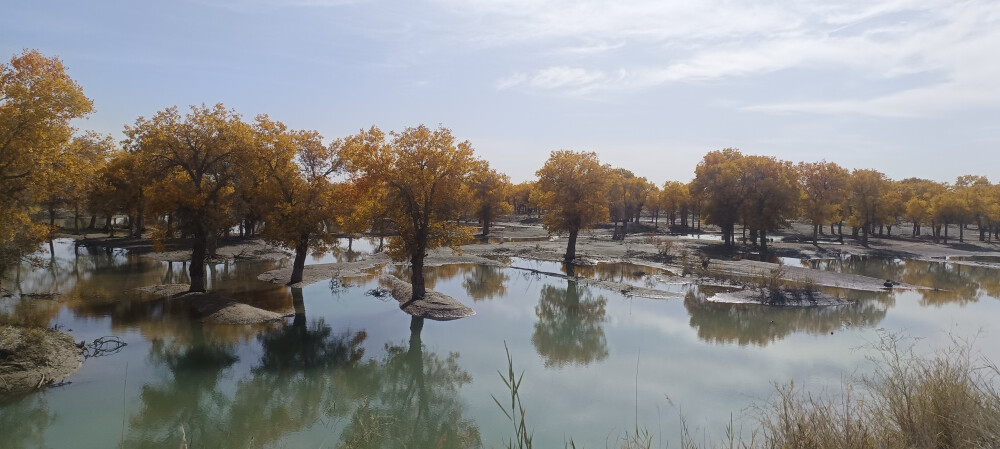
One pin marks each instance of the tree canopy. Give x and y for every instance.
(424, 176)
(38, 100)
(198, 157)
(573, 188)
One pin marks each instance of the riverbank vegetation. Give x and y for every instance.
(947, 399)
(209, 173)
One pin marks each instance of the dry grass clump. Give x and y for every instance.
(945, 401)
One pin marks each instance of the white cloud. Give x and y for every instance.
(644, 44)
(565, 78)
(513, 80)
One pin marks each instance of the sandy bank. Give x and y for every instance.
(434, 305)
(211, 307)
(34, 358)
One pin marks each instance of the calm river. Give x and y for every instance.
(348, 372)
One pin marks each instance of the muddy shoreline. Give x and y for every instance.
(690, 260)
(698, 259)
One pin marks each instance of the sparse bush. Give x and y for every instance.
(664, 248)
(687, 264)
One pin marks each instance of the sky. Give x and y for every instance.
(911, 88)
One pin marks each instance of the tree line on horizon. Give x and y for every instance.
(203, 172)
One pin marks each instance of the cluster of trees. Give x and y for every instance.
(204, 172)
(762, 194)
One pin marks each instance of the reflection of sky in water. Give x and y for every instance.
(580, 347)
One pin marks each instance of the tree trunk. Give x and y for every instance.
(417, 278)
(76, 219)
(864, 237)
(816, 228)
(211, 244)
(140, 213)
(52, 214)
(945, 238)
(197, 268)
(840, 231)
(298, 266)
(763, 242)
(961, 232)
(486, 227)
(571, 246)
(93, 222)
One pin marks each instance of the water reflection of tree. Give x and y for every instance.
(569, 330)
(953, 283)
(24, 421)
(618, 272)
(294, 385)
(412, 401)
(486, 282)
(189, 399)
(298, 382)
(306, 375)
(434, 274)
(753, 324)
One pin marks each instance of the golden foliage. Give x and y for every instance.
(422, 176)
(573, 190)
(37, 102)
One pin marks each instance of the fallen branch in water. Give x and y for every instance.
(103, 346)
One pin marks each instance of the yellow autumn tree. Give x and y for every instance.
(675, 199)
(627, 197)
(197, 156)
(490, 190)
(573, 190)
(974, 191)
(424, 176)
(37, 102)
(519, 196)
(825, 187)
(949, 207)
(298, 198)
(770, 194)
(74, 174)
(917, 195)
(865, 198)
(717, 184)
(120, 188)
